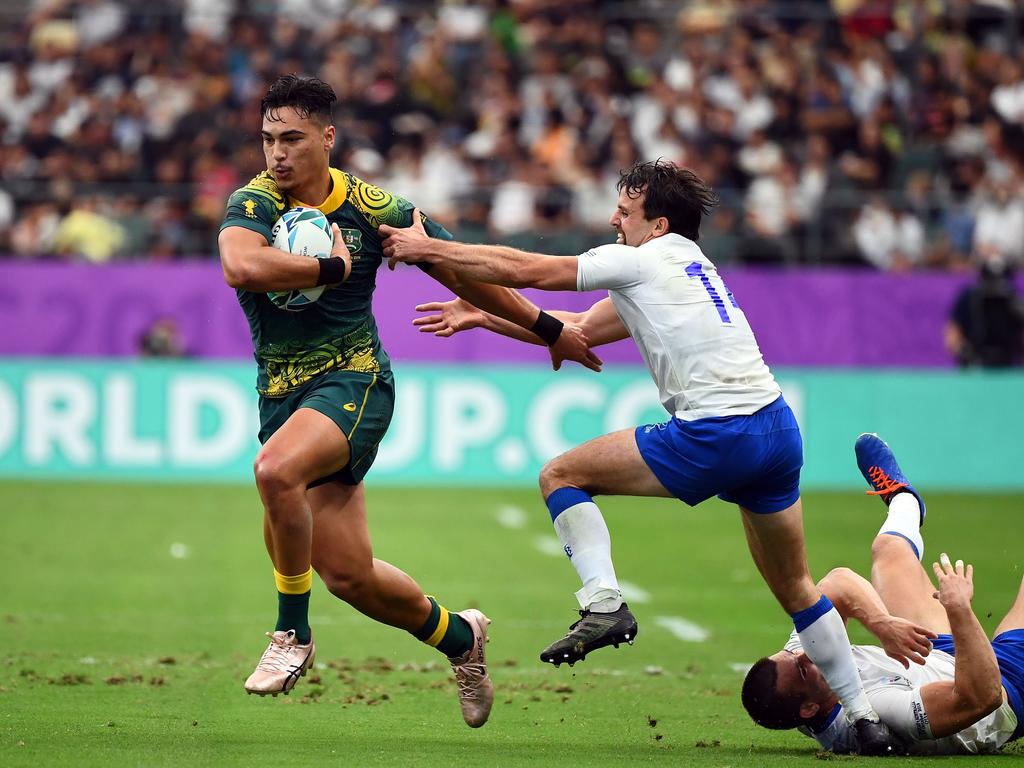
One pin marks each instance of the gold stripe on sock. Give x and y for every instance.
(294, 585)
(442, 627)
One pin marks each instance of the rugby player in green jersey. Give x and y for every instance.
(327, 393)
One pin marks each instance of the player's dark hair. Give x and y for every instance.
(310, 97)
(763, 702)
(679, 195)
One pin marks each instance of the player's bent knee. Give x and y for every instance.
(886, 545)
(352, 587)
(554, 476)
(837, 573)
(272, 475)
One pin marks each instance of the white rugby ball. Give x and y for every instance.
(306, 232)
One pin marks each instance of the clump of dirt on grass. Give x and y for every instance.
(70, 679)
(118, 680)
(377, 664)
(702, 744)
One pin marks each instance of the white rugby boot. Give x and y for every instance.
(476, 693)
(282, 664)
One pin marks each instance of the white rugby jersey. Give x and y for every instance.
(895, 694)
(693, 337)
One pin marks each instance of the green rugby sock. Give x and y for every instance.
(293, 604)
(293, 613)
(448, 632)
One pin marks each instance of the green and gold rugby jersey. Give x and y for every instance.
(338, 332)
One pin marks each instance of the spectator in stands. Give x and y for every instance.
(126, 103)
(999, 225)
(87, 232)
(888, 238)
(162, 339)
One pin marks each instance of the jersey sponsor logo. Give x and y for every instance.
(921, 724)
(350, 407)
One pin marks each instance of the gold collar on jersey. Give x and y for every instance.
(339, 192)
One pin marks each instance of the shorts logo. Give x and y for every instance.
(350, 407)
(568, 551)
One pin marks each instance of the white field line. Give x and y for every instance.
(510, 516)
(631, 593)
(549, 545)
(683, 629)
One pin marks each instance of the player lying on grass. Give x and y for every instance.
(730, 432)
(965, 696)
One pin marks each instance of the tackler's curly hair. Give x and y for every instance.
(679, 195)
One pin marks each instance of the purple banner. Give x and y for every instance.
(819, 317)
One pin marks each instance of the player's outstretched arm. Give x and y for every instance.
(855, 598)
(251, 264)
(976, 689)
(486, 263)
(566, 342)
(460, 315)
(600, 324)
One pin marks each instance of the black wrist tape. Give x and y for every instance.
(548, 328)
(332, 270)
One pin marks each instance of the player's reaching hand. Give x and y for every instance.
(406, 244)
(572, 344)
(956, 583)
(903, 640)
(460, 315)
(455, 315)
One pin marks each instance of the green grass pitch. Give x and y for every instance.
(130, 615)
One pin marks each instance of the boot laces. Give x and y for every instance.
(277, 656)
(884, 484)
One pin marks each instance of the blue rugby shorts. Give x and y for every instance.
(753, 460)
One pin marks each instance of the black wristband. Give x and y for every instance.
(548, 328)
(332, 270)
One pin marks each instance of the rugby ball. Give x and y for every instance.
(305, 232)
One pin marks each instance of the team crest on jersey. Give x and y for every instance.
(353, 240)
(250, 208)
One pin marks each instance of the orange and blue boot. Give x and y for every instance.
(877, 463)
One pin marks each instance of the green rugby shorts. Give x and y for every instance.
(361, 404)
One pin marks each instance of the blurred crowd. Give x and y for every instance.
(888, 133)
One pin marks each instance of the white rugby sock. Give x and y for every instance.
(904, 520)
(825, 641)
(584, 536)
